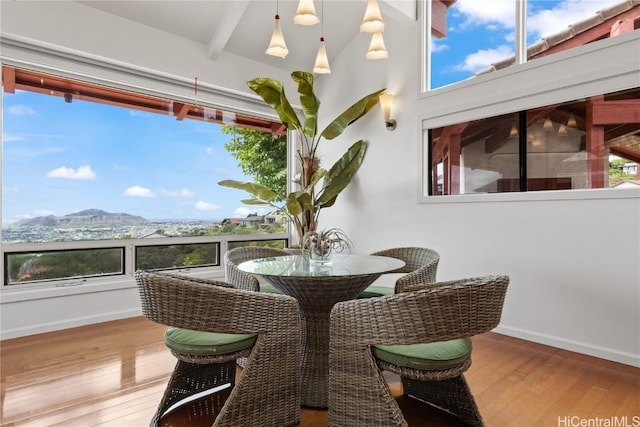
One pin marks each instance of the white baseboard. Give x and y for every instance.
(67, 323)
(570, 345)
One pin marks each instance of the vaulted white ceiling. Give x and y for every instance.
(243, 27)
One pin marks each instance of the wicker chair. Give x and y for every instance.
(242, 280)
(421, 265)
(406, 334)
(211, 324)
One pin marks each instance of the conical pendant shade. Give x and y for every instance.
(372, 21)
(277, 46)
(322, 62)
(306, 13)
(376, 48)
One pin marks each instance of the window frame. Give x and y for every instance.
(426, 40)
(43, 58)
(526, 86)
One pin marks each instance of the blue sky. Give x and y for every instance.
(60, 158)
(482, 32)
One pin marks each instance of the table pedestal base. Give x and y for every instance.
(317, 296)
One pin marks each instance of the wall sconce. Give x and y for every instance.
(385, 103)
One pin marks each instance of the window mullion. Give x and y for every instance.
(521, 31)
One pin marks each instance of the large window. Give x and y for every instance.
(83, 162)
(470, 38)
(583, 144)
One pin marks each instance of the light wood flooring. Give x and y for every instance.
(114, 373)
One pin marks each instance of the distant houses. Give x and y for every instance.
(256, 221)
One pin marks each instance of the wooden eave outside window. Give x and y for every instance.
(69, 90)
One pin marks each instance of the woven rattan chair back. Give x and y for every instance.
(421, 265)
(267, 393)
(236, 256)
(358, 393)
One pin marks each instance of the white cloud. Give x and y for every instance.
(183, 192)
(9, 137)
(243, 211)
(484, 58)
(551, 21)
(9, 190)
(83, 173)
(138, 113)
(439, 45)
(44, 212)
(483, 12)
(209, 150)
(500, 14)
(137, 191)
(206, 206)
(21, 110)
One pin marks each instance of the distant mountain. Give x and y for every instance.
(86, 218)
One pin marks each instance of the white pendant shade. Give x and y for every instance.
(514, 131)
(372, 21)
(306, 13)
(277, 46)
(376, 48)
(322, 62)
(562, 130)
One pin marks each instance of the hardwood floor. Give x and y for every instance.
(114, 373)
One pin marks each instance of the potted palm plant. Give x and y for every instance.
(318, 187)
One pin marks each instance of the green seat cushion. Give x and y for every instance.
(197, 343)
(269, 288)
(376, 291)
(434, 356)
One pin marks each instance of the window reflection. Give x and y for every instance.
(583, 144)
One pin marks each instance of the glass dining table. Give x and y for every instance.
(318, 287)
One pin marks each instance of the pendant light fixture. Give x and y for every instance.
(377, 49)
(277, 46)
(306, 13)
(514, 130)
(372, 21)
(322, 62)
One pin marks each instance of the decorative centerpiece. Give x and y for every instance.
(320, 245)
(318, 187)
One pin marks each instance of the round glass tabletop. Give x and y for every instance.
(340, 265)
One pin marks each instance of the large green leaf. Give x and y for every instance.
(255, 202)
(340, 174)
(298, 201)
(259, 191)
(351, 114)
(308, 100)
(272, 92)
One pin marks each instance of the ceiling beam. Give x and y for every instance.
(618, 111)
(625, 153)
(225, 25)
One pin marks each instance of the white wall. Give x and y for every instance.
(574, 263)
(573, 259)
